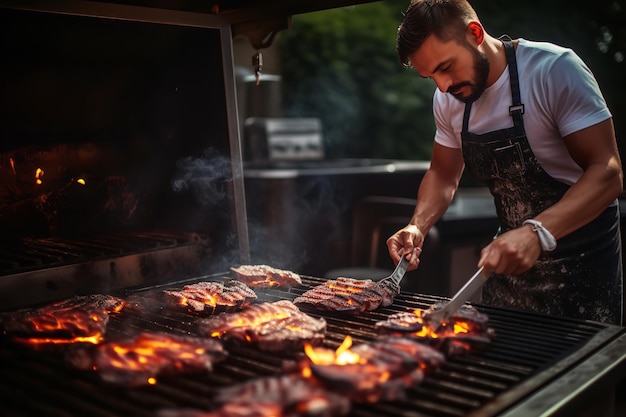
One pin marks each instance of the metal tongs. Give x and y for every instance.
(471, 286)
(398, 273)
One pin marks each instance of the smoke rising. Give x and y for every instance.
(204, 177)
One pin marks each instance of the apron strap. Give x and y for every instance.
(517, 108)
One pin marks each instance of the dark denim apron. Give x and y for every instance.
(582, 278)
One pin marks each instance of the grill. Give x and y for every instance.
(532, 362)
(37, 270)
(121, 172)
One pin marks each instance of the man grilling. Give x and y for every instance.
(528, 120)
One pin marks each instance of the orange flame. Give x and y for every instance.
(73, 323)
(251, 321)
(144, 351)
(342, 356)
(38, 174)
(208, 299)
(68, 325)
(149, 354)
(458, 327)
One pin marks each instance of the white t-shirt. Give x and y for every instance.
(560, 96)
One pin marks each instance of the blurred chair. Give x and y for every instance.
(375, 219)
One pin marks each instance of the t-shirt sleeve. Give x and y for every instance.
(577, 100)
(444, 134)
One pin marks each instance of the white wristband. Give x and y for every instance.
(547, 241)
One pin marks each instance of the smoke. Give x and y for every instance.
(299, 226)
(203, 177)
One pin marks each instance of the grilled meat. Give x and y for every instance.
(264, 276)
(271, 326)
(464, 330)
(349, 294)
(211, 297)
(81, 318)
(137, 361)
(279, 396)
(371, 372)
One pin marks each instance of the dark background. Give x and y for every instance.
(340, 65)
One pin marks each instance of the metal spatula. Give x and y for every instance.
(398, 273)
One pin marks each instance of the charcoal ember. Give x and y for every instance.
(80, 318)
(135, 361)
(383, 372)
(465, 330)
(265, 276)
(213, 297)
(349, 295)
(273, 326)
(275, 396)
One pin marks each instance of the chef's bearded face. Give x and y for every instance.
(478, 83)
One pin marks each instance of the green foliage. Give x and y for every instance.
(340, 65)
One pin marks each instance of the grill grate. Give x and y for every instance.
(33, 254)
(527, 352)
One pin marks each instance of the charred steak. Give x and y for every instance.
(211, 297)
(375, 371)
(464, 330)
(275, 396)
(137, 361)
(272, 326)
(349, 294)
(264, 276)
(81, 318)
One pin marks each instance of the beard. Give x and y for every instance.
(478, 84)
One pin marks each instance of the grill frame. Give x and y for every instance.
(574, 369)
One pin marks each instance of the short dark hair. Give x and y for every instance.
(446, 19)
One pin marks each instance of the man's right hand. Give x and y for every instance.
(407, 240)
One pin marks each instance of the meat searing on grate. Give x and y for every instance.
(264, 276)
(349, 294)
(275, 396)
(136, 361)
(271, 326)
(465, 330)
(375, 371)
(213, 296)
(79, 317)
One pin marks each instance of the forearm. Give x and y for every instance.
(433, 199)
(595, 150)
(584, 201)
